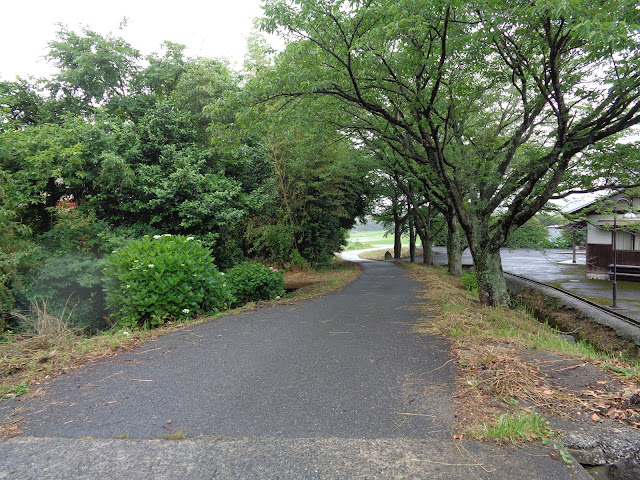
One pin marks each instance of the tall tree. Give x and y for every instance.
(319, 183)
(92, 68)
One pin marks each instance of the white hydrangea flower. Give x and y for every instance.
(157, 236)
(185, 310)
(151, 265)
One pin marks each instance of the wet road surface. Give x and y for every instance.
(545, 266)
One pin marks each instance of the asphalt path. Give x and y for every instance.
(343, 365)
(331, 388)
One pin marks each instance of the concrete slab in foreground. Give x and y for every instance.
(30, 458)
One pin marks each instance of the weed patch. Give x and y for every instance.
(603, 339)
(515, 428)
(177, 435)
(12, 391)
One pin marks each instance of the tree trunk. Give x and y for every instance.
(279, 167)
(492, 287)
(454, 247)
(427, 252)
(397, 235)
(412, 238)
(423, 229)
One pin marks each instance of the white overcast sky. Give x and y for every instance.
(209, 28)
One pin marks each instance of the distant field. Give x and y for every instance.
(361, 240)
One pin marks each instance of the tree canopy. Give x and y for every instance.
(505, 104)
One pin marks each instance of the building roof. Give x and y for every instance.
(589, 207)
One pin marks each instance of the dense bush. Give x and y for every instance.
(158, 278)
(250, 282)
(557, 242)
(69, 275)
(17, 256)
(73, 283)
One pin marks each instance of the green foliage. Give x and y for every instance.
(108, 149)
(70, 272)
(250, 282)
(15, 390)
(160, 278)
(163, 72)
(73, 280)
(318, 184)
(530, 235)
(181, 194)
(454, 88)
(297, 262)
(273, 241)
(17, 255)
(92, 68)
(566, 237)
(19, 104)
(557, 242)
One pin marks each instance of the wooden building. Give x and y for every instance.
(599, 222)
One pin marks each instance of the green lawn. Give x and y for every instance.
(362, 240)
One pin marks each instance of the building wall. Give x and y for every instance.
(597, 235)
(600, 243)
(600, 247)
(599, 257)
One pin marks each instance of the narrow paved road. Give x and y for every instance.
(343, 365)
(333, 388)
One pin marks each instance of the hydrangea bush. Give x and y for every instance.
(160, 278)
(250, 282)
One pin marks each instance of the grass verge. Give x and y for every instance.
(510, 366)
(309, 284)
(27, 360)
